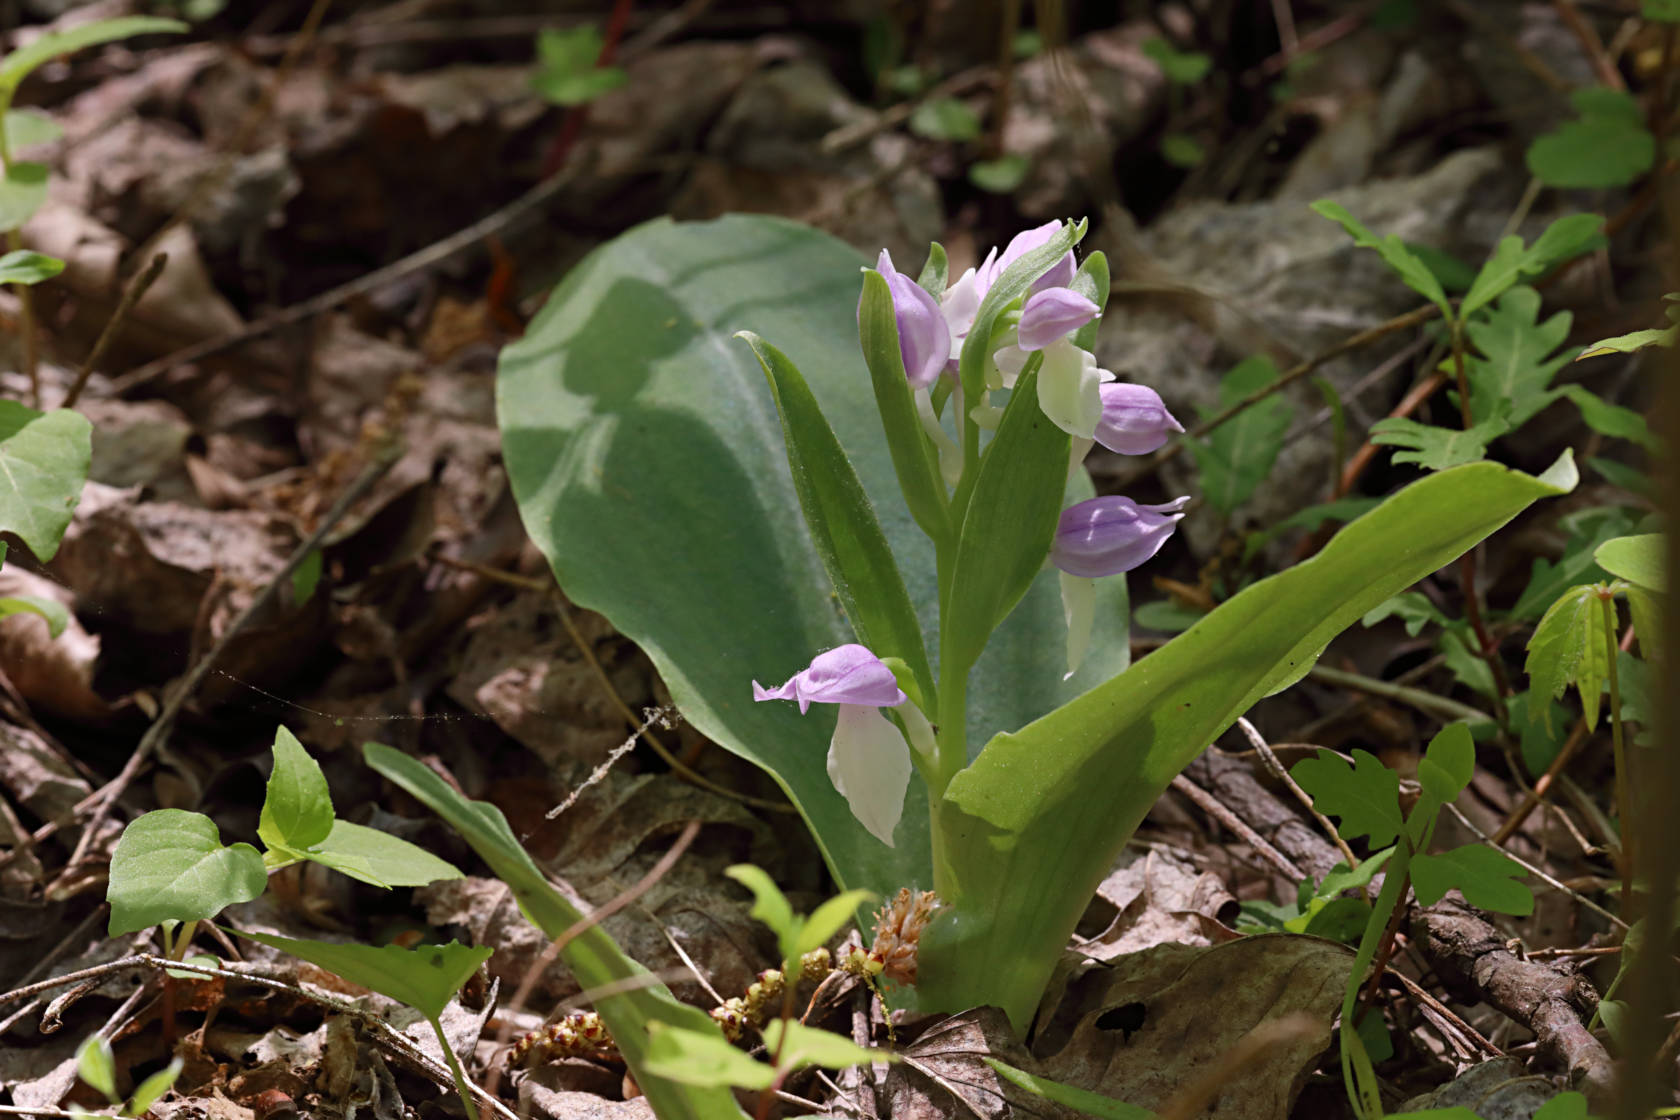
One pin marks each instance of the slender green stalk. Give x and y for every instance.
(1607, 601)
(455, 1070)
(26, 303)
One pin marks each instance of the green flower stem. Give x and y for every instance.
(1611, 648)
(26, 302)
(1439, 706)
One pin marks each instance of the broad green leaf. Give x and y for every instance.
(1540, 734)
(25, 128)
(425, 977)
(1183, 67)
(639, 999)
(1608, 146)
(842, 522)
(297, 811)
(801, 1046)
(1638, 560)
(770, 906)
(1001, 175)
(703, 1059)
(1631, 479)
(170, 865)
(1558, 644)
(1080, 1100)
(305, 578)
(828, 919)
(1572, 1105)
(1432, 448)
(1512, 262)
(1613, 420)
(1487, 877)
(1665, 11)
(56, 613)
(16, 66)
(1413, 608)
(912, 453)
(1514, 366)
(378, 857)
(1311, 519)
(96, 1065)
(1373, 1035)
(1449, 763)
(1453, 273)
(26, 267)
(566, 71)
(1366, 795)
(22, 190)
(628, 409)
(44, 459)
(945, 118)
(1034, 823)
(1394, 253)
(1587, 530)
(1007, 531)
(148, 1092)
(1459, 648)
(1236, 457)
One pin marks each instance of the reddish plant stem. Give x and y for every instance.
(1409, 404)
(572, 126)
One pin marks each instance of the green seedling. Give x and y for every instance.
(96, 1065)
(567, 73)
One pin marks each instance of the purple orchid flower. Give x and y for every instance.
(1134, 419)
(868, 761)
(1103, 537)
(924, 339)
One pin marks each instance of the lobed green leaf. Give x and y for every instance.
(1394, 253)
(1486, 876)
(1366, 795)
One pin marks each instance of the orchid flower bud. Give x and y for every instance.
(1111, 534)
(1053, 314)
(1103, 537)
(868, 761)
(1134, 419)
(924, 339)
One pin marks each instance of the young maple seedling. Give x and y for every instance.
(170, 866)
(703, 1058)
(1366, 798)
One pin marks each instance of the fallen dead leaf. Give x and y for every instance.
(1158, 899)
(943, 1074)
(52, 674)
(1143, 1027)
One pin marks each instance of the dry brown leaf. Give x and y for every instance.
(1158, 899)
(943, 1075)
(52, 674)
(1144, 1027)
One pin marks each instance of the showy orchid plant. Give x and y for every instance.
(961, 345)
(942, 498)
(990, 396)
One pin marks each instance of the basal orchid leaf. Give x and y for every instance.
(647, 459)
(1016, 827)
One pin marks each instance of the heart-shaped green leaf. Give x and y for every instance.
(647, 458)
(44, 459)
(170, 865)
(297, 813)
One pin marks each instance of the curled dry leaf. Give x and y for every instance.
(1142, 1027)
(1157, 899)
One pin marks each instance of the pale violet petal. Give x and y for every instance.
(1068, 390)
(1053, 314)
(869, 763)
(1079, 609)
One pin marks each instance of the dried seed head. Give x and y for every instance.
(898, 932)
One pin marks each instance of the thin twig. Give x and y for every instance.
(1237, 825)
(1594, 46)
(1422, 996)
(1353, 342)
(1279, 771)
(131, 296)
(102, 800)
(493, 223)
